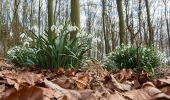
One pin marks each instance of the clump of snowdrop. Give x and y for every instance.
(129, 56)
(55, 29)
(71, 28)
(21, 55)
(52, 52)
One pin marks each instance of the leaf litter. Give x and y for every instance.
(90, 83)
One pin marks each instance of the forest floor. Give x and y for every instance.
(90, 83)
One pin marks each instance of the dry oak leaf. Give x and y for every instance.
(66, 94)
(7, 93)
(2, 88)
(59, 71)
(70, 72)
(143, 77)
(29, 77)
(12, 82)
(124, 74)
(89, 95)
(47, 92)
(164, 81)
(165, 90)
(147, 92)
(9, 74)
(32, 93)
(63, 82)
(82, 81)
(116, 96)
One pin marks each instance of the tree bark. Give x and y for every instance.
(50, 18)
(122, 33)
(167, 24)
(75, 16)
(151, 34)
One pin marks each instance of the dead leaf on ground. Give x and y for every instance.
(29, 77)
(124, 74)
(146, 93)
(82, 81)
(47, 92)
(70, 72)
(59, 71)
(2, 88)
(32, 93)
(116, 96)
(64, 82)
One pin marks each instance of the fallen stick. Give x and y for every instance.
(54, 86)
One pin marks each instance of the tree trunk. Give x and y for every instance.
(15, 23)
(75, 16)
(151, 34)
(122, 33)
(104, 27)
(167, 24)
(39, 16)
(50, 18)
(139, 17)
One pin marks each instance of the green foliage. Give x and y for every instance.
(21, 55)
(135, 58)
(58, 51)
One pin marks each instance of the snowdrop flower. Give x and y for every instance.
(90, 36)
(11, 34)
(60, 27)
(29, 39)
(75, 28)
(72, 28)
(34, 28)
(22, 35)
(78, 34)
(26, 43)
(57, 34)
(69, 28)
(53, 28)
(57, 31)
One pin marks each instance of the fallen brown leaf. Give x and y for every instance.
(82, 81)
(32, 93)
(2, 88)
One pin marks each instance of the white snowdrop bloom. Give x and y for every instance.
(75, 28)
(29, 39)
(53, 28)
(11, 34)
(22, 35)
(90, 36)
(60, 27)
(57, 31)
(34, 28)
(78, 34)
(69, 28)
(26, 43)
(98, 39)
